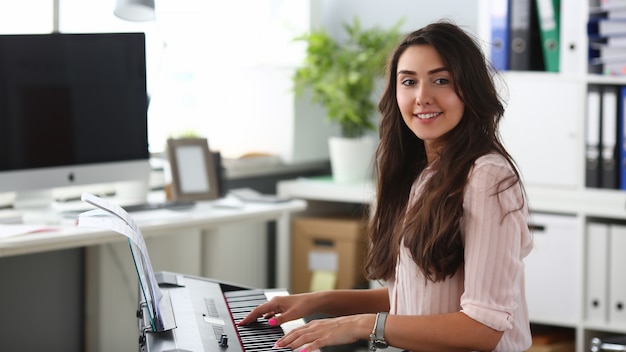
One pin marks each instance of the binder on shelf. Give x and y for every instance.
(611, 53)
(614, 68)
(607, 54)
(611, 9)
(616, 14)
(601, 26)
(548, 12)
(597, 269)
(608, 139)
(610, 43)
(617, 279)
(610, 5)
(500, 34)
(608, 62)
(592, 140)
(622, 138)
(571, 60)
(595, 42)
(606, 30)
(608, 66)
(525, 53)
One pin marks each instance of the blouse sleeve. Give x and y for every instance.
(496, 241)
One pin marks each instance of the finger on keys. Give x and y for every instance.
(253, 315)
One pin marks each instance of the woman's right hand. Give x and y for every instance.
(282, 309)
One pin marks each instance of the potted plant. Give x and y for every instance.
(342, 78)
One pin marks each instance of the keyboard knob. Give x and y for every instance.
(223, 341)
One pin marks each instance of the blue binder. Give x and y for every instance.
(622, 138)
(500, 12)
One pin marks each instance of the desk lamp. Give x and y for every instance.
(134, 10)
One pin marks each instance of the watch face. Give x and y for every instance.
(380, 344)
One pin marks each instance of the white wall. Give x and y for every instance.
(416, 13)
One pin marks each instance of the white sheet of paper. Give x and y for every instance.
(7, 231)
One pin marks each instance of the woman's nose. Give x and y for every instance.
(423, 96)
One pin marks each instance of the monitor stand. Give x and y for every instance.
(42, 206)
(33, 200)
(131, 192)
(35, 207)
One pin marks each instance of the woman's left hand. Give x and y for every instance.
(329, 332)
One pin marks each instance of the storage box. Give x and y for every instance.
(552, 339)
(564, 346)
(330, 250)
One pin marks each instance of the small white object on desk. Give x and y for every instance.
(253, 196)
(10, 217)
(229, 201)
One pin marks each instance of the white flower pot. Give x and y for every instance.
(351, 159)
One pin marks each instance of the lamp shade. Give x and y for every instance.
(134, 10)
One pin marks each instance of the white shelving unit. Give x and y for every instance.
(544, 128)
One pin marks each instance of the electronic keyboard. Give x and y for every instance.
(206, 313)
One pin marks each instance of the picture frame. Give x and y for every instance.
(194, 173)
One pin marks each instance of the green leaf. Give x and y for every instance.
(342, 76)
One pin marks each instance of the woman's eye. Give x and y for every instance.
(408, 82)
(442, 81)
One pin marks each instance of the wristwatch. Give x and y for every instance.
(377, 338)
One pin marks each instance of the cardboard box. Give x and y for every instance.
(327, 253)
(553, 339)
(565, 346)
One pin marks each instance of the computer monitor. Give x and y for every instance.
(73, 110)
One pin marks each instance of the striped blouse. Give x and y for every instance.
(489, 288)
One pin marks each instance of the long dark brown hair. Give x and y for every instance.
(431, 228)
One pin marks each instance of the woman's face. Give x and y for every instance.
(425, 93)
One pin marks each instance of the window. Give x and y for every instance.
(28, 16)
(221, 69)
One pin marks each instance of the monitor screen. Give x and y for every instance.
(73, 110)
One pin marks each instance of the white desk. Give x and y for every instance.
(327, 190)
(108, 310)
(205, 215)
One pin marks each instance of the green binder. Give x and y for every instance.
(549, 25)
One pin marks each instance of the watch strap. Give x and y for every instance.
(380, 325)
(377, 338)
